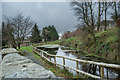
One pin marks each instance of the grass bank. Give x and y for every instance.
(27, 48)
(56, 70)
(105, 47)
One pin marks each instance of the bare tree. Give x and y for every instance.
(107, 5)
(86, 15)
(22, 27)
(100, 12)
(115, 13)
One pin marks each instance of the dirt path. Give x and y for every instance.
(36, 59)
(33, 57)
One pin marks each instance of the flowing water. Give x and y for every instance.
(93, 69)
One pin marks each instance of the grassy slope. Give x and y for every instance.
(110, 35)
(105, 47)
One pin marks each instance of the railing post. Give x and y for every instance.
(77, 69)
(50, 58)
(64, 62)
(102, 72)
(44, 54)
(54, 60)
(107, 73)
(41, 54)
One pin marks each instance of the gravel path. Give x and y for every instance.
(31, 56)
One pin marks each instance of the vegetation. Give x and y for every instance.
(95, 37)
(49, 33)
(18, 28)
(90, 20)
(27, 48)
(4, 35)
(86, 14)
(7, 32)
(36, 37)
(54, 42)
(64, 73)
(105, 47)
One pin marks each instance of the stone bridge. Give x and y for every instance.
(13, 65)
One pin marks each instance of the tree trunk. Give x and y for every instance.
(18, 46)
(14, 46)
(99, 18)
(115, 11)
(93, 35)
(105, 16)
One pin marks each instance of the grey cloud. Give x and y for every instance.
(44, 13)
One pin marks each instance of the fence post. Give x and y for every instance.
(54, 60)
(102, 72)
(41, 53)
(107, 73)
(64, 62)
(50, 58)
(44, 54)
(77, 69)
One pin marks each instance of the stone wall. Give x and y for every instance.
(17, 66)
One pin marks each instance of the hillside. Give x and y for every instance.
(105, 47)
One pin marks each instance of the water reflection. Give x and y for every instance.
(90, 68)
(0, 57)
(67, 54)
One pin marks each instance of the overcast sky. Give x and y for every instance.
(44, 13)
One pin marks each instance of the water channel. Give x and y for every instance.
(66, 52)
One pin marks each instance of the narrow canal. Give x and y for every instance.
(66, 52)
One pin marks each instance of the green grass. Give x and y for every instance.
(99, 33)
(60, 72)
(109, 35)
(54, 42)
(27, 48)
(72, 39)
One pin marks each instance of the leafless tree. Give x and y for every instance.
(107, 5)
(86, 15)
(21, 28)
(100, 12)
(116, 13)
